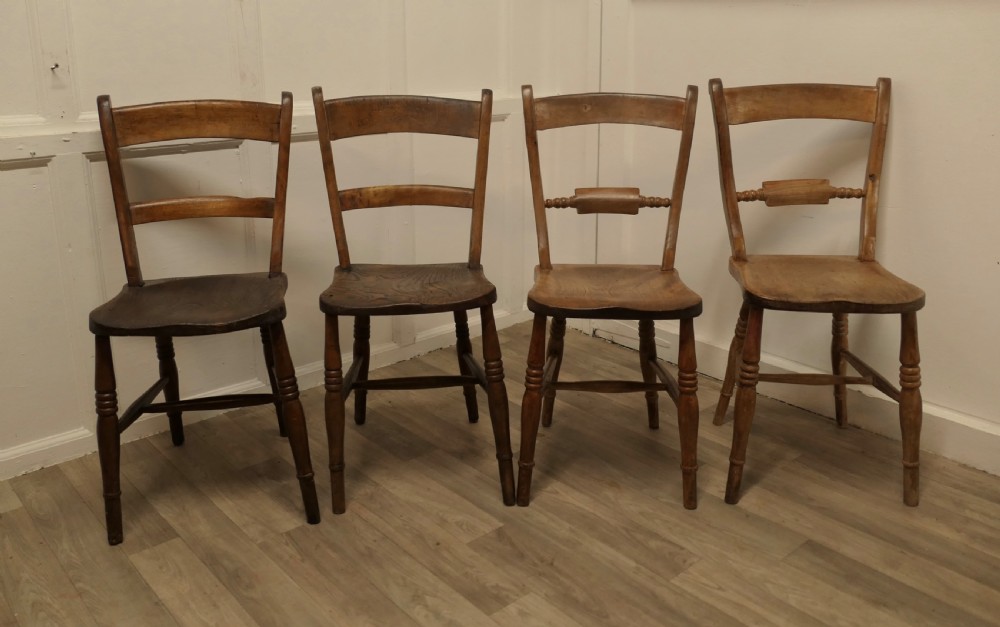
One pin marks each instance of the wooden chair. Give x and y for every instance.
(200, 305)
(620, 292)
(365, 290)
(838, 285)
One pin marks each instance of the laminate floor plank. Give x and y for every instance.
(36, 588)
(338, 585)
(415, 589)
(532, 610)
(415, 527)
(215, 532)
(192, 594)
(104, 577)
(8, 498)
(916, 571)
(143, 524)
(207, 460)
(908, 604)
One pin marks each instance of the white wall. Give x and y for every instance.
(59, 256)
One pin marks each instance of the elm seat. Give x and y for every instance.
(383, 289)
(824, 283)
(643, 293)
(197, 305)
(366, 290)
(828, 284)
(614, 292)
(187, 306)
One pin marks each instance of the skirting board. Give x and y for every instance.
(963, 438)
(77, 442)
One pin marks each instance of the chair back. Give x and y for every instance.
(765, 103)
(341, 118)
(553, 112)
(123, 127)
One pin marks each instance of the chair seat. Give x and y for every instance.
(383, 290)
(186, 306)
(615, 292)
(832, 284)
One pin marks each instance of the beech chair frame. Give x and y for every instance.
(837, 285)
(194, 306)
(366, 290)
(601, 291)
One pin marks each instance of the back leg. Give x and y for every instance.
(265, 337)
(362, 355)
(647, 354)
(553, 362)
(837, 346)
(735, 356)
(464, 350)
(168, 369)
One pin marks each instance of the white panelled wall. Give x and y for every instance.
(60, 255)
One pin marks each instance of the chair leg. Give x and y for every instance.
(464, 348)
(265, 338)
(362, 351)
(295, 422)
(496, 393)
(108, 442)
(735, 355)
(531, 410)
(910, 408)
(746, 403)
(837, 346)
(687, 412)
(557, 333)
(168, 369)
(647, 354)
(335, 413)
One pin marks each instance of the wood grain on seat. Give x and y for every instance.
(615, 292)
(824, 283)
(383, 289)
(200, 305)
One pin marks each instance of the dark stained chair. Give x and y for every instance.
(837, 285)
(620, 292)
(194, 306)
(365, 290)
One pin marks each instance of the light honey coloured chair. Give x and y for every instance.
(365, 290)
(837, 285)
(199, 305)
(602, 291)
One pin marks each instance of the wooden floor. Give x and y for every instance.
(214, 532)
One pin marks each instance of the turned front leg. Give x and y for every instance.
(687, 412)
(746, 403)
(531, 410)
(910, 408)
(108, 441)
(333, 381)
(496, 393)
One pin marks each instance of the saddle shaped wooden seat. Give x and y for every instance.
(366, 290)
(197, 305)
(604, 291)
(837, 285)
